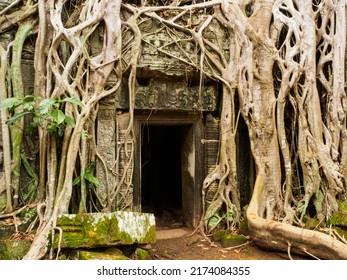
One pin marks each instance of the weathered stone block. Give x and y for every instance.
(101, 229)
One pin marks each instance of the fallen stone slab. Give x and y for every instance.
(93, 230)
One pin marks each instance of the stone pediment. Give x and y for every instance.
(168, 51)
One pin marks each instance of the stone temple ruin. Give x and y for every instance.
(175, 127)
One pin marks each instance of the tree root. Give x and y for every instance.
(275, 235)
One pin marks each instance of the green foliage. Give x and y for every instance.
(91, 180)
(47, 113)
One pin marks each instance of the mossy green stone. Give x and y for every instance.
(343, 206)
(105, 229)
(339, 219)
(142, 254)
(219, 234)
(14, 249)
(312, 223)
(3, 202)
(93, 255)
(233, 240)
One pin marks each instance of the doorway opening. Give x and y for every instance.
(161, 168)
(164, 185)
(168, 168)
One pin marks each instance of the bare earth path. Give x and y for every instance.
(174, 242)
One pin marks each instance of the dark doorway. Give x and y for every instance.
(161, 169)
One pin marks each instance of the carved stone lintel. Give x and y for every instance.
(171, 95)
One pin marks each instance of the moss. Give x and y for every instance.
(14, 249)
(219, 234)
(6, 231)
(243, 228)
(142, 254)
(339, 219)
(98, 229)
(312, 223)
(115, 251)
(233, 240)
(96, 255)
(3, 202)
(343, 206)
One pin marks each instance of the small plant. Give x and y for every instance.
(47, 113)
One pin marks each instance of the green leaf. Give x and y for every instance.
(58, 116)
(28, 105)
(76, 181)
(73, 100)
(45, 105)
(70, 121)
(91, 179)
(52, 127)
(90, 167)
(8, 103)
(16, 117)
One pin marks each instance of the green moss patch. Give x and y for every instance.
(14, 249)
(312, 223)
(141, 254)
(343, 206)
(95, 255)
(101, 230)
(339, 219)
(219, 234)
(233, 240)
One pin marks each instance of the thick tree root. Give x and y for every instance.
(278, 236)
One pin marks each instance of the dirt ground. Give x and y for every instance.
(197, 248)
(175, 242)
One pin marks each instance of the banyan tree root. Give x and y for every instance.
(280, 236)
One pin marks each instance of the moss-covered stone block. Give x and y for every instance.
(95, 255)
(142, 254)
(13, 249)
(339, 218)
(233, 240)
(219, 234)
(105, 229)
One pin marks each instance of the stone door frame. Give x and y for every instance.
(194, 120)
